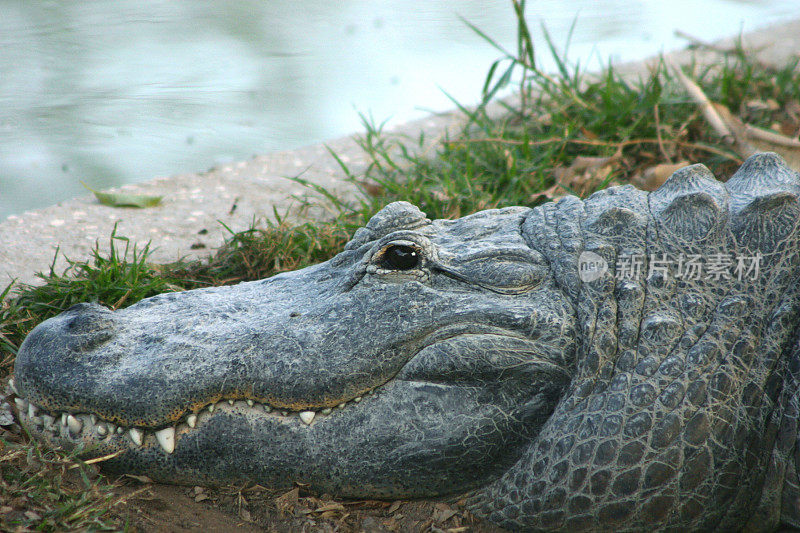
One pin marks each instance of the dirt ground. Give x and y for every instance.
(152, 507)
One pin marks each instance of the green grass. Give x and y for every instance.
(495, 160)
(53, 491)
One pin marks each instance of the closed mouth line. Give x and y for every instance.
(76, 425)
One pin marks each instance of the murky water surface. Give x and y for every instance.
(118, 91)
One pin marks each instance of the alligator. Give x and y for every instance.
(625, 362)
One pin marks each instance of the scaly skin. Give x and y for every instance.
(468, 356)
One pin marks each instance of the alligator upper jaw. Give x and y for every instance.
(73, 425)
(158, 361)
(295, 342)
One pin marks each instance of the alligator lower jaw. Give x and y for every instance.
(83, 427)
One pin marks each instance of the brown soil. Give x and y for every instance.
(152, 507)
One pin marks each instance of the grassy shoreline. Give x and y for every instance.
(565, 133)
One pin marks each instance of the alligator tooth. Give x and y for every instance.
(31, 410)
(342, 405)
(250, 403)
(74, 425)
(63, 419)
(357, 399)
(267, 408)
(166, 438)
(307, 416)
(285, 413)
(22, 404)
(136, 435)
(93, 418)
(12, 386)
(211, 408)
(120, 431)
(101, 430)
(191, 420)
(48, 421)
(326, 411)
(230, 402)
(111, 428)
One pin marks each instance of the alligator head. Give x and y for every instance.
(624, 362)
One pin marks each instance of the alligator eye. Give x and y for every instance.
(400, 257)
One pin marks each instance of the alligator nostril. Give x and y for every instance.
(89, 322)
(294, 314)
(88, 325)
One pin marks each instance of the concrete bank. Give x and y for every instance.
(187, 223)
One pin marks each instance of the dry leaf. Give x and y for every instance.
(553, 193)
(244, 514)
(653, 177)
(793, 111)
(287, 502)
(331, 506)
(761, 105)
(113, 199)
(372, 189)
(6, 416)
(509, 158)
(788, 128)
(586, 173)
(140, 479)
(443, 513)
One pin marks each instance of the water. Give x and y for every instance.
(119, 91)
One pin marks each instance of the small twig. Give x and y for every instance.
(129, 496)
(121, 300)
(97, 459)
(695, 42)
(760, 134)
(706, 107)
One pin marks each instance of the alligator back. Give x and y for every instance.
(683, 409)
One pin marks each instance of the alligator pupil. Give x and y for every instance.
(401, 257)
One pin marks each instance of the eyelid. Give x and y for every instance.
(380, 252)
